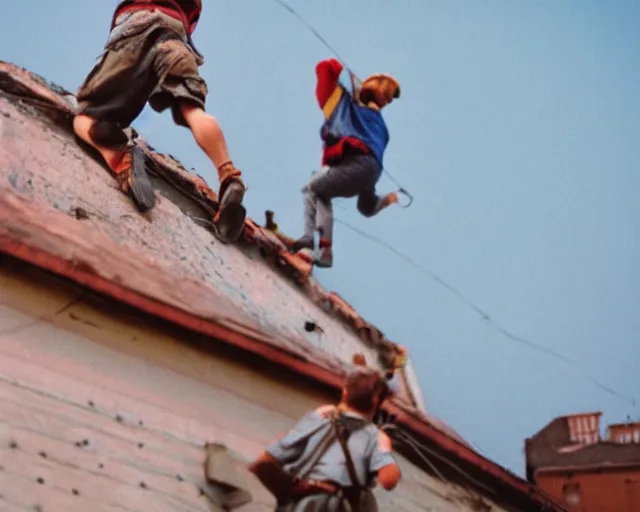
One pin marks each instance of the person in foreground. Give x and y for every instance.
(150, 57)
(354, 137)
(330, 460)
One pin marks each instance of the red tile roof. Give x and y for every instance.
(56, 212)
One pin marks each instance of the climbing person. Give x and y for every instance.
(150, 57)
(354, 136)
(330, 460)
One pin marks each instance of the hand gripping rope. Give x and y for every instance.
(354, 80)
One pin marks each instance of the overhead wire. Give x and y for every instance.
(422, 450)
(394, 431)
(485, 315)
(488, 318)
(354, 77)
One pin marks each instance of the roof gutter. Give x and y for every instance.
(52, 263)
(589, 468)
(120, 293)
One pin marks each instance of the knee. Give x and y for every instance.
(99, 133)
(81, 126)
(365, 207)
(324, 200)
(317, 185)
(310, 195)
(315, 196)
(106, 134)
(192, 113)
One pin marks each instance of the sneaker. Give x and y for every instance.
(306, 242)
(324, 257)
(228, 223)
(234, 193)
(133, 180)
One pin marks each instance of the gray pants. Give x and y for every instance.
(356, 175)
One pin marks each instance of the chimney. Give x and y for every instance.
(584, 428)
(624, 433)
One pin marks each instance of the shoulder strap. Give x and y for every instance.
(304, 467)
(339, 432)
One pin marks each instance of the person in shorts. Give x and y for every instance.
(150, 57)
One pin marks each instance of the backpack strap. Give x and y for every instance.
(342, 439)
(304, 467)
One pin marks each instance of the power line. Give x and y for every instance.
(487, 318)
(421, 449)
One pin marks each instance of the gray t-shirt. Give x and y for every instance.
(364, 445)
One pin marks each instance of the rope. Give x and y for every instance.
(316, 33)
(354, 77)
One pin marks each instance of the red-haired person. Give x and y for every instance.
(354, 136)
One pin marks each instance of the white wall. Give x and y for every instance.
(66, 378)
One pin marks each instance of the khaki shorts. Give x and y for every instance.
(147, 59)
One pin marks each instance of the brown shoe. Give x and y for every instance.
(133, 180)
(228, 222)
(232, 187)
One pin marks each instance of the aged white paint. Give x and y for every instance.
(113, 414)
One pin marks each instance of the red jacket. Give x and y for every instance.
(328, 73)
(187, 11)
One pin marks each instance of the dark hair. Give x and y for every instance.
(362, 387)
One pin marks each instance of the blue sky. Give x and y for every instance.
(517, 132)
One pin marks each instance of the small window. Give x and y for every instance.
(572, 493)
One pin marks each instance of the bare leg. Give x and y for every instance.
(208, 134)
(82, 125)
(229, 219)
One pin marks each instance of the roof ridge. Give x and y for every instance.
(391, 356)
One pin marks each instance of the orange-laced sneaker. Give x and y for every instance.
(123, 171)
(131, 175)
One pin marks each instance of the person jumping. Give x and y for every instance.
(354, 137)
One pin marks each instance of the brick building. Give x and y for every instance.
(572, 462)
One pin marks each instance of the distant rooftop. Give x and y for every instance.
(575, 441)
